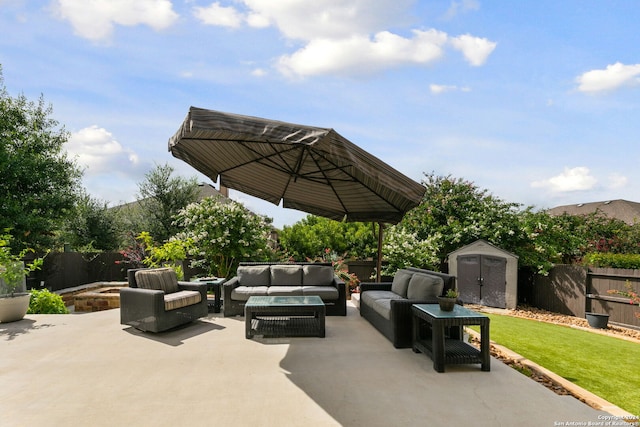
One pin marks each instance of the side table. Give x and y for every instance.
(429, 324)
(214, 284)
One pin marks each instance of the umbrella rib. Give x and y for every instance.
(354, 179)
(262, 159)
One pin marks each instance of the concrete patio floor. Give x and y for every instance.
(87, 369)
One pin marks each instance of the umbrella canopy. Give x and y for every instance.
(315, 170)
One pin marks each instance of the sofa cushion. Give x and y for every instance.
(324, 292)
(424, 286)
(383, 308)
(181, 299)
(253, 275)
(286, 275)
(242, 293)
(369, 298)
(161, 279)
(401, 282)
(292, 291)
(317, 275)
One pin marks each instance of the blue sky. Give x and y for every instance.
(536, 101)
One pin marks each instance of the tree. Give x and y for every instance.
(38, 182)
(221, 233)
(161, 196)
(93, 226)
(459, 213)
(309, 237)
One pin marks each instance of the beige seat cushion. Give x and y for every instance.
(181, 299)
(161, 279)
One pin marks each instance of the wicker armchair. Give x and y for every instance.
(155, 301)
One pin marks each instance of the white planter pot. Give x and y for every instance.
(14, 308)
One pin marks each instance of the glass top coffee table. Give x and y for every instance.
(430, 327)
(284, 316)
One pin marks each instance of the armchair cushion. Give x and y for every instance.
(424, 287)
(163, 279)
(400, 282)
(253, 275)
(181, 299)
(286, 275)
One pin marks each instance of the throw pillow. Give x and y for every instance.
(401, 282)
(253, 275)
(424, 287)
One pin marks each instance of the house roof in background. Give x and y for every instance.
(624, 210)
(204, 190)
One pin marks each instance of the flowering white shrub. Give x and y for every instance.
(402, 248)
(222, 233)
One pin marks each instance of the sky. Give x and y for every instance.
(537, 102)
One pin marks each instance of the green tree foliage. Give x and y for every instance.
(457, 212)
(38, 182)
(221, 234)
(93, 226)
(161, 196)
(309, 237)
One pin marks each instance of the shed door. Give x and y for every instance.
(482, 279)
(469, 278)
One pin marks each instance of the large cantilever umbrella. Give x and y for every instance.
(315, 170)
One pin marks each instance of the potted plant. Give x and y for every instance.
(14, 300)
(448, 301)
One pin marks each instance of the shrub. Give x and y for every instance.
(221, 234)
(45, 302)
(607, 259)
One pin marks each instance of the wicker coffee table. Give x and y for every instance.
(284, 316)
(429, 324)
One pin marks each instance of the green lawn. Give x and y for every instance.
(608, 367)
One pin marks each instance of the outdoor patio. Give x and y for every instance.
(87, 369)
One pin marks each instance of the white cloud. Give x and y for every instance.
(571, 179)
(349, 36)
(98, 152)
(611, 78)
(330, 19)
(617, 181)
(259, 72)
(458, 7)
(438, 89)
(95, 19)
(476, 50)
(358, 54)
(219, 15)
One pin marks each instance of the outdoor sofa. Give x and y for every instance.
(387, 306)
(284, 279)
(156, 301)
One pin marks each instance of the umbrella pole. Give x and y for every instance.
(379, 261)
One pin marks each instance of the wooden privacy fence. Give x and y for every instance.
(575, 290)
(69, 269)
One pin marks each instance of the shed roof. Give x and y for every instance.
(481, 242)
